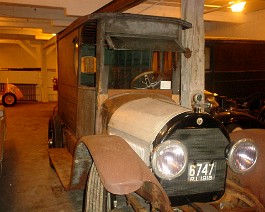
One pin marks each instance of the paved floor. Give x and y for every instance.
(27, 182)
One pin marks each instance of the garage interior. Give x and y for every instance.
(29, 60)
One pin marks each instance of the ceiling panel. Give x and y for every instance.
(43, 20)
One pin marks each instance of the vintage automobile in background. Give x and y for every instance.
(138, 149)
(10, 95)
(233, 115)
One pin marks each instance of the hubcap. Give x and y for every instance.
(9, 99)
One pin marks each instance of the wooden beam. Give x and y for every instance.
(192, 69)
(119, 6)
(27, 47)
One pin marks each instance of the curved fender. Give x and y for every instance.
(121, 170)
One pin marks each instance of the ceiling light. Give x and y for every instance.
(238, 7)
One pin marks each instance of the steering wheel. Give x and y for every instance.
(146, 80)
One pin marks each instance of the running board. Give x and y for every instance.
(72, 172)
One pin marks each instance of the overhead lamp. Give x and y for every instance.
(237, 7)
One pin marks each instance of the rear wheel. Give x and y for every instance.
(9, 99)
(55, 136)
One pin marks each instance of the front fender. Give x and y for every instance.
(121, 170)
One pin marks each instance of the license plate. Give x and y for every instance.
(201, 171)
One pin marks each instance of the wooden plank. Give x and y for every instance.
(113, 92)
(62, 161)
(192, 69)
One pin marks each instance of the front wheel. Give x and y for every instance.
(9, 99)
(99, 199)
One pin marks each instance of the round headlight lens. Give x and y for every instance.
(169, 159)
(242, 156)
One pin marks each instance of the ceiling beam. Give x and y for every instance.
(46, 25)
(28, 48)
(119, 5)
(34, 12)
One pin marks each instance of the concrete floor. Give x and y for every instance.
(27, 182)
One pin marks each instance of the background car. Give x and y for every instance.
(10, 95)
(231, 114)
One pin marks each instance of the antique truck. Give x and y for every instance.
(119, 132)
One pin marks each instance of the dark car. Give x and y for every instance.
(230, 114)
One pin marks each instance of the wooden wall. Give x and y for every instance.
(237, 68)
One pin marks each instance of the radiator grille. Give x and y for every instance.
(207, 144)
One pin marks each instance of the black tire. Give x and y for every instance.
(97, 198)
(9, 99)
(55, 135)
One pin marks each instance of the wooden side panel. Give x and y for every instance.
(237, 68)
(67, 79)
(86, 111)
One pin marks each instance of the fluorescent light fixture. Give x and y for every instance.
(237, 7)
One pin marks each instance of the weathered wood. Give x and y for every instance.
(62, 162)
(113, 92)
(192, 69)
(101, 74)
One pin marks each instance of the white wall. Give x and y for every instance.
(13, 55)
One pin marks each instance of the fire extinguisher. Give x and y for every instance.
(55, 83)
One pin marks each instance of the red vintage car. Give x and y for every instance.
(10, 95)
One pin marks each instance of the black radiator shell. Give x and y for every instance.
(205, 139)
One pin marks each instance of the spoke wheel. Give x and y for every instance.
(99, 199)
(9, 99)
(237, 198)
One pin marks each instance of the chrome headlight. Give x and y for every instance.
(242, 155)
(169, 159)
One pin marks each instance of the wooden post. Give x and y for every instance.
(101, 74)
(44, 75)
(192, 69)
